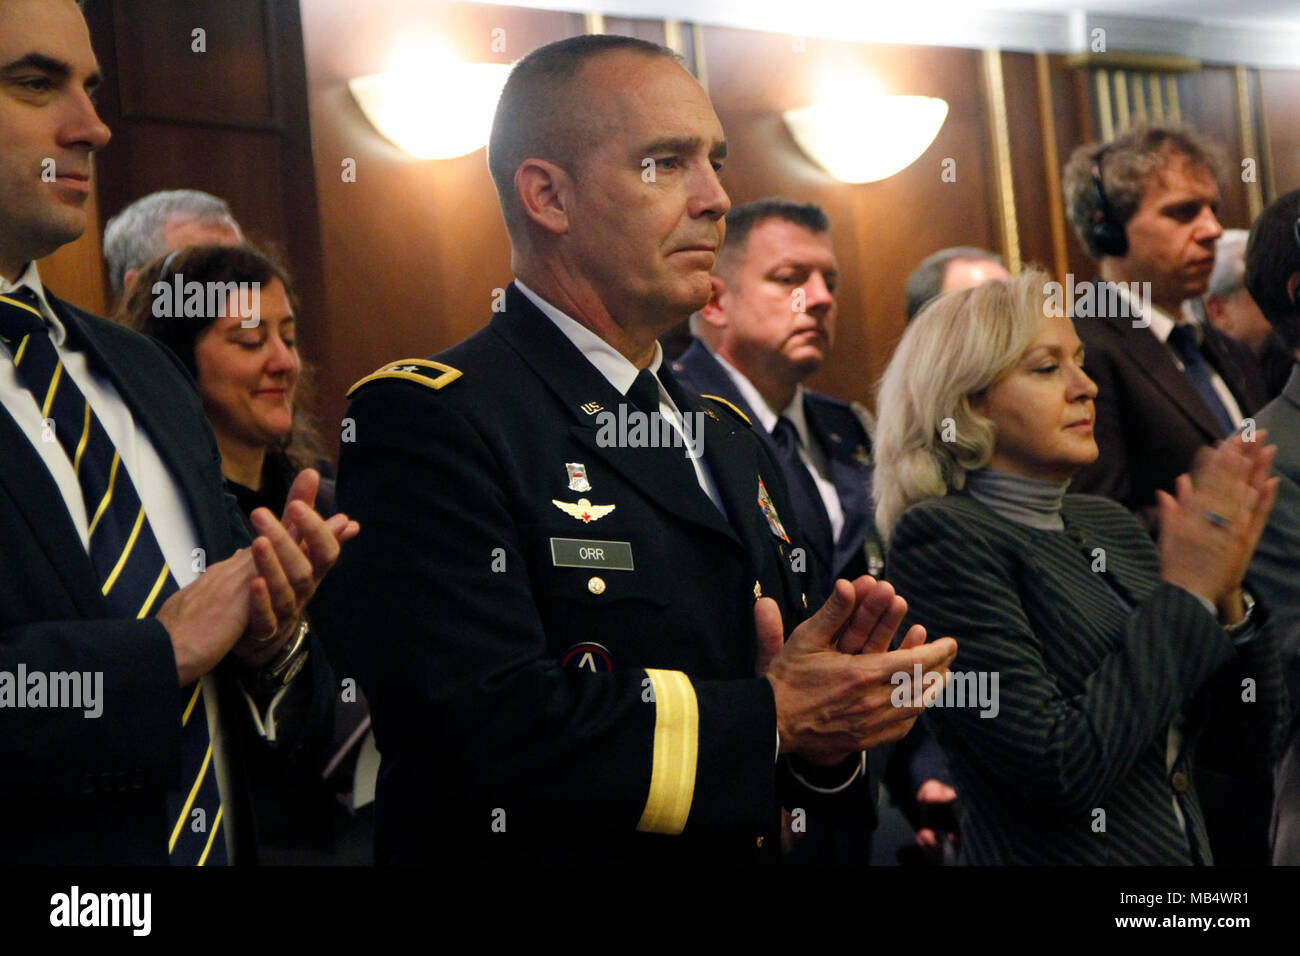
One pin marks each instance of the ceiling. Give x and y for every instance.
(1252, 32)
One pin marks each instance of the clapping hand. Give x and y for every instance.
(1209, 528)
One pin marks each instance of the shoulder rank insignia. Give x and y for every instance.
(739, 414)
(769, 512)
(584, 510)
(425, 371)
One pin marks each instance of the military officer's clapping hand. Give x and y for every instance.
(832, 679)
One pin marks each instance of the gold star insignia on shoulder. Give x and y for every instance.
(426, 372)
(739, 414)
(584, 510)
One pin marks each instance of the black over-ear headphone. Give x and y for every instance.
(1107, 235)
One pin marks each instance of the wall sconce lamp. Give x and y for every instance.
(431, 105)
(865, 138)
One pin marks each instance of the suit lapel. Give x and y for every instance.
(1236, 378)
(664, 475)
(38, 500)
(152, 400)
(1153, 358)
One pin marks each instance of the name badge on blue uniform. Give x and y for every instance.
(582, 553)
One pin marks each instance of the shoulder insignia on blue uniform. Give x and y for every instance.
(739, 414)
(425, 371)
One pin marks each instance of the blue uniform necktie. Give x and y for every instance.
(809, 509)
(129, 564)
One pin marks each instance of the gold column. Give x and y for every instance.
(1249, 146)
(1103, 105)
(999, 135)
(1266, 147)
(1052, 164)
(595, 23)
(1139, 100)
(1171, 91)
(1157, 101)
(701, 67)
(1121, 100)
(673, 36)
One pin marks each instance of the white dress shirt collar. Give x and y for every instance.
(754, 399)
(31, 278)
(1160, 322)
(609, 361)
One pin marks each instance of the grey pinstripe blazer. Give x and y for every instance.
(1072, 769)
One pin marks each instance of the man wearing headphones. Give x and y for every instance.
(1145, 207)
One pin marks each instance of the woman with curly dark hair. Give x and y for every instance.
(231, 316)
(250, 374)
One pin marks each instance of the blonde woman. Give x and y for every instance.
(1114, 657)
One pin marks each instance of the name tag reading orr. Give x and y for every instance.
(577, 553)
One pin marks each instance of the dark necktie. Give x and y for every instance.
(132, 572)
(809, 509)
(644, 392)
(1197, 370)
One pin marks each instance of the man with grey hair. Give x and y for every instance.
(162, 222)
(957, 267)
(1230, 308)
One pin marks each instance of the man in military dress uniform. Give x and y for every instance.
(569, 605)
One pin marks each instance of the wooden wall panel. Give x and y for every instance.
(1209, 103)
(880, 230)
(1279, 95)
(1075, 127)
(75, 271)
(1028, 160)
(222, 74)
(231, 120)
(413, 249)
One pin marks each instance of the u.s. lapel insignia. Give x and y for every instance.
(769, 512)
(861, 455)
(591, 408)
(584, 510)
(577, 476)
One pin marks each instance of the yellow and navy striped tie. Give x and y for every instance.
(133, 574)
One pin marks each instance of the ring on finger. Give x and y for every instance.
(1217, 519)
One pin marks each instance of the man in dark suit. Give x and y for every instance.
(1145, 207)
(171, 650)
(768, 325)
(584, 582)
(1273, 280)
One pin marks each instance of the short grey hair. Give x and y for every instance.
(1229, 273)
(958, 347)
(135, 235)
(926, 280)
